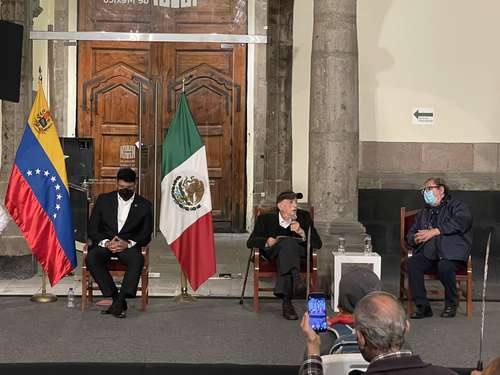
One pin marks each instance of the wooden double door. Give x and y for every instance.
(127, 97)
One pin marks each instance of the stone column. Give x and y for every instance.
(278, 145)
(334, 130)
(16, 260)
(58, 72)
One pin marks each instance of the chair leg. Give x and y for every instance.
(314, 281)
(84, 290)
(90, 289)
(469, 298)
(246, 278)
(144, 285)
(409, 304)
(256, 290)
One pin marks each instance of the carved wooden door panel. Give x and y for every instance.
(214, 83)
(116, 110)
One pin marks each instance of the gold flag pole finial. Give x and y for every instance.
(40, 73)
(183, 84)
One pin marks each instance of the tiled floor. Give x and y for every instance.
(231, 256)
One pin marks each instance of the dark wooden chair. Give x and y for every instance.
(407, 217)
(265, 269)
(117, 269)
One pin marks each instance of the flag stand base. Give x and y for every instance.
(43, 297)
(184, 296)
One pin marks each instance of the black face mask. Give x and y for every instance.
(126, 193)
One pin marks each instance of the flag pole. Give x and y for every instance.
(184, 296)
(44, 296)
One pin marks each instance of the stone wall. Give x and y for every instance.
(399, 165)
(16, 260)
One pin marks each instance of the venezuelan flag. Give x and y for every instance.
(38, 196)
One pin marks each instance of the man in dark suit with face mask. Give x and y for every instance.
(120, 224)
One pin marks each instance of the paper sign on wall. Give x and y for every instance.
(423, 116)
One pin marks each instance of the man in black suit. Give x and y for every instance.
(121, 223)
(282, 237)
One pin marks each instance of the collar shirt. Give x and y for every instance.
(123, 210)
(398, 354)
(284, 223)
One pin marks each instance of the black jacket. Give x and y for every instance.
(410, 365)
(103, 222)
(454, 220)
(267, 225)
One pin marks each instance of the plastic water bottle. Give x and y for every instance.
(368, 245)
(341, 247)
(71, 298)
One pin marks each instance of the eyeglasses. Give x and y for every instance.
(429, 188)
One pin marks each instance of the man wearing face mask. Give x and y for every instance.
(121, 223)
(441, 237)
(282, 237)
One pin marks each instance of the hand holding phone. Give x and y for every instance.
(316, 309)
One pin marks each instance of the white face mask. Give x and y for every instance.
(429, 197)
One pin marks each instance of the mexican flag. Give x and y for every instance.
(186, 207)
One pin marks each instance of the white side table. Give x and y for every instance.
(339, 259)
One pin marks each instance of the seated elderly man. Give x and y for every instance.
(281, 236)
(381, 326)
(441, 237)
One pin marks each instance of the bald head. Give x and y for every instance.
(381, 319)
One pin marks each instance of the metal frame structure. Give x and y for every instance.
(147, 37)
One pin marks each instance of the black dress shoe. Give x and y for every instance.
(117, 309)
(449, 311)
(289, 311)
(423, 311)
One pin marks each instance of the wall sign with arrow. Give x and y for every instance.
(421, 116)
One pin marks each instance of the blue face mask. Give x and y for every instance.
(429, 197)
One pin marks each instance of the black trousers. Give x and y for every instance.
(287, 253)
(96, 261)
(446, 269)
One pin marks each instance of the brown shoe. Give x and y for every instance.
(289, 311)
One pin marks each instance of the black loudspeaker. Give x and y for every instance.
(11, 45)
(79, 154)
(79, 211)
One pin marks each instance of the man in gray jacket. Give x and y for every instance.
(441, 237)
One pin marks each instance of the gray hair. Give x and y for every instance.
(382, 320)
(439, 181)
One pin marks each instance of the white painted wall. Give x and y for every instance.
(301, 79)
(441, 54)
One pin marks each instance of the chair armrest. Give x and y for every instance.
(406, 251)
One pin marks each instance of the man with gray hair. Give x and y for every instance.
(381, 326)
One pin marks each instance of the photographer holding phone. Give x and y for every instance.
(381, 327)
(281, 236)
